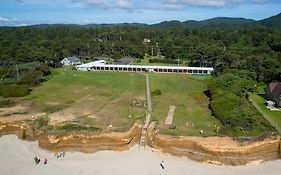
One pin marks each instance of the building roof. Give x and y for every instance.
(275, 89)
(90, 65)
(73, 59)
(99, 62)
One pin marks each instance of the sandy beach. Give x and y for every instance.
(16, 158)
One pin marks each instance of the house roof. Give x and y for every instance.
(275, 89)
(91, 64)
(73, 59)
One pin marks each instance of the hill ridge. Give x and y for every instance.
(212, 23)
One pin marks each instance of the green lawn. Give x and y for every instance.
(100, 99)
(104, 96)
(186, 93)
(274, 117)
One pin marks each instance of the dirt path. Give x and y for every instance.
(148, 95)
(148, 116)
(170, 116)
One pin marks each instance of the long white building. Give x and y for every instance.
(140, 68)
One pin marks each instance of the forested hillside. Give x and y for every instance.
(257, 50)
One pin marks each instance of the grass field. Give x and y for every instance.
(101, 99)
(186, 93)
(95, 98)
(274, 117)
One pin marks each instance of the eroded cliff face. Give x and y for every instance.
(77, 142)
(23, 131)
(218, 150)
(91, 143)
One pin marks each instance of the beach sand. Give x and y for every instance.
(16, 158)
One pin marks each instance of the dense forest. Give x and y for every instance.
(255, 50)
(242, 58)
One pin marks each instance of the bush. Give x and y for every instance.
(41, 122)
(229, 102)
(13, 90)
(31, 78)
(234, 111)
(156, 92)
(44, 69)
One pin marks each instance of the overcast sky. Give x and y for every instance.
(26, 12)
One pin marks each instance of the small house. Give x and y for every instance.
(71, 61)
(273, 93)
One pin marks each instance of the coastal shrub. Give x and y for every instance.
(230, 105)
(31, 78)
(156, 92)
(41, 122)
(13, 90)
(45, 69)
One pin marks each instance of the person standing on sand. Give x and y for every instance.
(162, 165)
(45, 161)
(37, 160)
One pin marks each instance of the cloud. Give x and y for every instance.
(124, 4)
(96, 3)
(163, 6)
(21, 24)
(212, 3)
(6, 20)
(139, 5)
(111, 4)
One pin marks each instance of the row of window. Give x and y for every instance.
(189, 71)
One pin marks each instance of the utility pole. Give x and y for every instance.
(152, 50)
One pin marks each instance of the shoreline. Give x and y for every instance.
(16, 157)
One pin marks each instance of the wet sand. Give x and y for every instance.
(16, 158)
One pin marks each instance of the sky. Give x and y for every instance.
(28, 12)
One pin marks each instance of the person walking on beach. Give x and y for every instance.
(45, 161)
(162, 165)
(37, 160)
(60, 154)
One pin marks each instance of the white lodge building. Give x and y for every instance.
(139, 68)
